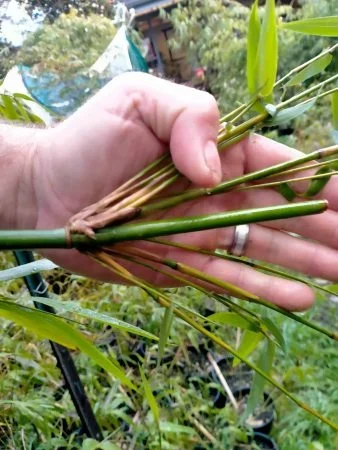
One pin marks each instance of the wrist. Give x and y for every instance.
(18, 150)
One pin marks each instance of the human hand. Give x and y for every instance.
(131, 122)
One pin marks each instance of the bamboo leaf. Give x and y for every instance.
(288, 114)
(287, 192)
(151, 400)
(318, 26)
(165, 330)
(22, 110)
(23, 96)
(73, 307)
(267, 57)
(252, 47)
(275, 331)
(171, 427)
(311, 70)
(233, 319)
(258, 383)
(49, 326)
(249, 343)
(9, 111)
(317, 185)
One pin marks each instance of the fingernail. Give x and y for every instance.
(212, 161)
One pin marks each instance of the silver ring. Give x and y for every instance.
(240, 240)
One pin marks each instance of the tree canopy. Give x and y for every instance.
(53, 9)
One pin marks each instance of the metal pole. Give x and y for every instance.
(38, 288)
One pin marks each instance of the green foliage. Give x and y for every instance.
(16, 107)
(216, 33)
(252, 47)
(68, 46)
(52, 9)
(318, 26)
(315, 68)
(267, 52)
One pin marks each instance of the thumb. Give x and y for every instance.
(185, 118)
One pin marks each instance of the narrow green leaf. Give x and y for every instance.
(287, 192)
(267, 56)
(171, 427)
(49, 326)
(73, 307)
(165, 330)
(318, 26)
(334, 103)
(151, 400)
(252, 47)
(275, 331)
(23, 96)
(10, 111)
(258, 383)
(22, 110)
(285, 115)
(318, 66)
(249, 343)
(317, 185)
(233, 319)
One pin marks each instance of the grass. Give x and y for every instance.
(36, 412)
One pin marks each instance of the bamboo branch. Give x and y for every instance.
(33, 239)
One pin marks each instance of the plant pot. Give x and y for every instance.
(262, 419)
(264, 442)
(236, 377)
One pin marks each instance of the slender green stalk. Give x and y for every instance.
(233, 113)
(165, 301)
(30, 239)
(305, 168)
(241, 293)
(143, 172)
(242, 128)
(307, 63)
(129, 255)
(307, 92)
(228, 185)
(227, 143)
(290, 180)
(243, 111)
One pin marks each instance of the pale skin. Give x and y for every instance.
(49, 175)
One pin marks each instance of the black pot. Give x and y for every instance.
(263, 421)
(258, 440)
(235, 376)
(264, 442)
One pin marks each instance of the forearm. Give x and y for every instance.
(18, 146)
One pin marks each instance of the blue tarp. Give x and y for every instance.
(63, 97)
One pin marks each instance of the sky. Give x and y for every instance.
(15, 23)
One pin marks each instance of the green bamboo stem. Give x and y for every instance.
(307, 92)
(129, 255)
(305, 168)
(228, 185)
(245, 295)
(34, 239)
(165, 301)
(233, 113)
(143, 172)
(307, 63)
(243, 111)
(159, 175)
(324, 94)
(290, 180)
(242, 128)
